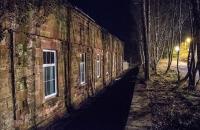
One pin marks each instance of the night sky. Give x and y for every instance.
(114, 15)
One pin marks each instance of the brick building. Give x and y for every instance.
(48, 70)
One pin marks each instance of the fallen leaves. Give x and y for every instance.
(172, 107)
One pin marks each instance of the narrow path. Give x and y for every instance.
(109, 111)
(140, 117)
(182, 67)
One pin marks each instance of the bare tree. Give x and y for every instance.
(193, 64)
(145, 33)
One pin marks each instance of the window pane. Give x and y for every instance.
(44, 57)
(82, 74)
(84, 67)
(47, 58)
(83, 77)
(46, 93)
(81, 67)
(45, 74)
(52, 72)
(98, 68)
(48, 73)
(52, 86)
(82, 57)
(52, 57)
(48, 88)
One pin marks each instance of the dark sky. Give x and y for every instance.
(113, 15)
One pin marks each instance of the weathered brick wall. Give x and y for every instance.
(119, 58)
(49, 109)
(98, 80)
(24, 80)
(108, 57)
(114, 57)
(79, 44)
(98, 50)
(121, 55)
(85, 36)
(107, 42)
(117, 52)
(32, 107)
(6, 102)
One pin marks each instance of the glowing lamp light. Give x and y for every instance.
(177, 49)
(188, 40)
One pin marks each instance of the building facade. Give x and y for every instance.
(51, 69)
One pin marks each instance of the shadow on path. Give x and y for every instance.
(110, 110)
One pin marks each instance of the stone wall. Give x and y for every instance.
(31, 106)
(6, 100)
(22, 97)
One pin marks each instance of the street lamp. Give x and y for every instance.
(177, 49)
(188, 40)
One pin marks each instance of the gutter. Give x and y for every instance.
(12, 73)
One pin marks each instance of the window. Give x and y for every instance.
(114, 63)
(49, 71)
(121, 62)
(98, 67)
(82, 68)
(107, 62)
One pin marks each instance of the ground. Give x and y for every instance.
(107, 111)
(132, 104)
(173, 107)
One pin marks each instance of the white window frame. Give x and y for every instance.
(114, 62)
(98, 66)
(84, 68)
(50, 65)
(107, 62)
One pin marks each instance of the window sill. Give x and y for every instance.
(50, 96)
(83, 84)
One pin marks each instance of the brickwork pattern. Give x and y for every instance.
(70, 36)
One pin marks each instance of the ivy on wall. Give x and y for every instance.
(20, 10)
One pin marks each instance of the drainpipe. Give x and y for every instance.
(92, 65)
(104, 50)
(68, 85)
(112, 59)
(12, 72)
(90, 77)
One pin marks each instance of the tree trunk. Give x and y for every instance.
(145, 36)
(194, 66)
(180, 39)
